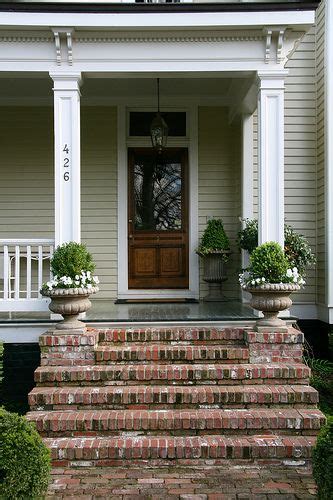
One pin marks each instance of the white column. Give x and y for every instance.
(271, 155)
(67, 156)
(247, 174)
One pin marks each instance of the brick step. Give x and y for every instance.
(272, 373)
(166, 397)
(106, 451)
(144, 353)
(191, 422)
(178, 334)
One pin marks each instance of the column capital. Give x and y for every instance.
(270, 79)
(66, 81)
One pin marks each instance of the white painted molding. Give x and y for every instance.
(161, 38)
(291, 18)
(67, 156)
(247, 181)
(271, 156)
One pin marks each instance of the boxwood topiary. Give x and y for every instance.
(70, 259)
(24, 459)
(269, 261)
(323, 462)
(214, 238)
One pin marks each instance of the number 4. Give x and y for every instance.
(66, 150)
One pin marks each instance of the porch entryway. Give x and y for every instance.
(158, 219)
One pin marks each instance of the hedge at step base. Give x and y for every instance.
(271, 299)
(70, 303)
(214, 274)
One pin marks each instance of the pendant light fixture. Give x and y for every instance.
(158, 127)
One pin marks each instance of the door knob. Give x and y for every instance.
(130, 221)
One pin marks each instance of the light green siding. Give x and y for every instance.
(219, 183)
(26, 172)
(99, 192)
(320, 56)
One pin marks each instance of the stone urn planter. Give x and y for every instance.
(70, 303)
(214, 274)
(271, 298)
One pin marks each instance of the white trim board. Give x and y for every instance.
(123, 143)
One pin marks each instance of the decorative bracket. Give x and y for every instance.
(274, 34)
(63, 36)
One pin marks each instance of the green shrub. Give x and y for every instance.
(70, 259)
(296, 246)
(323, 462)
(214, 238)
(24, 459)
(269, 261)
(247, 238)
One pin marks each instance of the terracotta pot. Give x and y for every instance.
(271, 298)
(214, 274)
(70, 303)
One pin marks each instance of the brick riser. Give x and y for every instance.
(175, 449)
(161, 397)
(160, 353)
(166, 396)
(177, 422)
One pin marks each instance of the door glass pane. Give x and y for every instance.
(158, 193)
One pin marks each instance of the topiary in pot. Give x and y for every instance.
(214, 249)
(72, 267)
(24, 459)
(270, 280)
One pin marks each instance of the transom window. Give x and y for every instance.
(140, 121)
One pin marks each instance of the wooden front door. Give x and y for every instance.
(158, 218)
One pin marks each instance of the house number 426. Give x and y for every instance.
(66, 163)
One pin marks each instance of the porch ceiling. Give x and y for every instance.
(97, 89)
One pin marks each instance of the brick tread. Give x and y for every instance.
(189, 334)
(101, 421)
(178, 447)
(266, 373)
(160, 352)
(149, 396)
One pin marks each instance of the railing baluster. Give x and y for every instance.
(40, 268)
(28, 293)
(17, 272)
(6, 263)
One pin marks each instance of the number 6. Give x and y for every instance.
(66, 176)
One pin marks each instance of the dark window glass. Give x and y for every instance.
(140, 123)
(158, 194)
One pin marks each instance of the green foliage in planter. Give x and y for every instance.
(247, 238)
(323, 462)
(24, 459)
(296, 246)
(70, 259)
(269, 261)
(298, 250)
(214, 238)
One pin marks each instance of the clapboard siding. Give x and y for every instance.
(300, 151)
(26, 172)
(320, 81)
(219, 183)
(99, 193)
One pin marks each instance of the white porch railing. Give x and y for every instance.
(24, 266)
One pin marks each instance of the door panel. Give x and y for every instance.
(158, 219)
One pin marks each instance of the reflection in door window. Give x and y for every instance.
(158, 194)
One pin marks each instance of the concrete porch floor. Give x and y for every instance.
(106, 311)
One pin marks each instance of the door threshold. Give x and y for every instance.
(158, 301)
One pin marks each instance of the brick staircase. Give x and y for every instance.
(185, 396)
